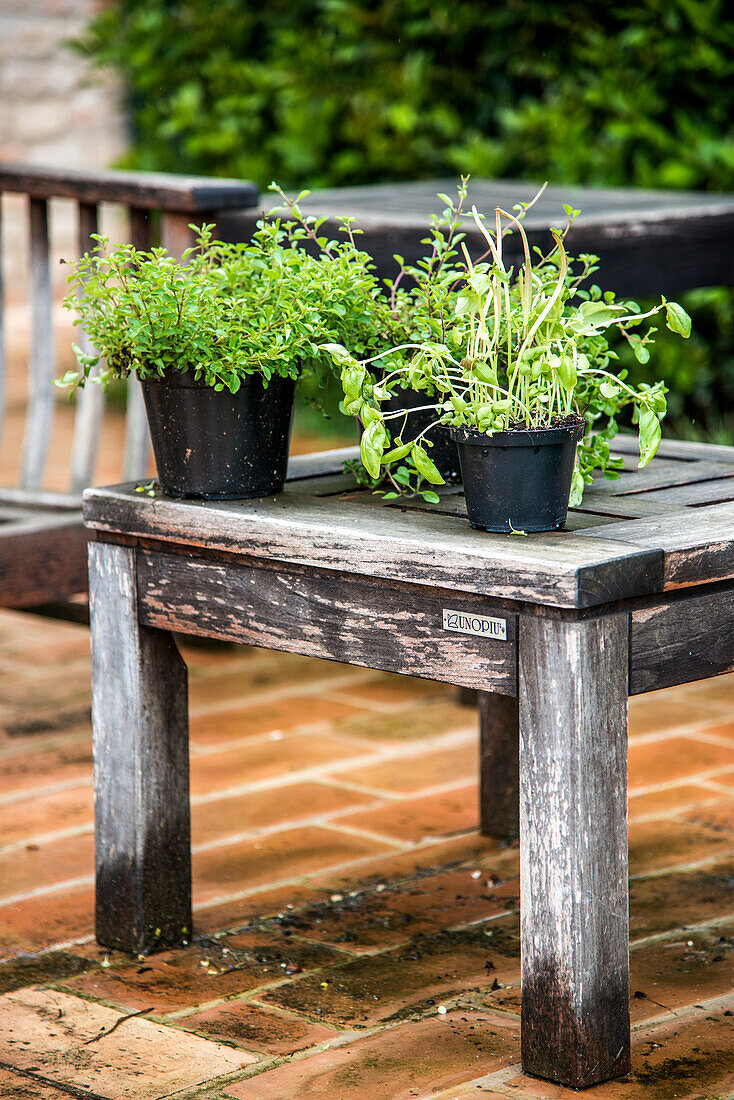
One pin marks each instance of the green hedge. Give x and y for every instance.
(328, 92)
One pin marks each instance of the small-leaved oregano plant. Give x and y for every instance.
(224, 310)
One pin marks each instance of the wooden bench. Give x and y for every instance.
(42, 538)
(637, 594)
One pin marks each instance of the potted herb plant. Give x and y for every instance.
(519, 372)
(218, 341)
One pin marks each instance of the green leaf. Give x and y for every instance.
(397, 453)
(567, 372)
(430, 496)
(486, 373)
(650, 434)
(609, 390)
(69, 378)
(353, 377)
(371, 447)
(677, 319)
(426, 466)
(338, 353)
(577, 488)
(642, 355)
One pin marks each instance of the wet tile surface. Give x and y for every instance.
(343, 896)
(410, 1061)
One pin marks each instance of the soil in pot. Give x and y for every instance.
(216, 445)
(443, 452)
(518, 480)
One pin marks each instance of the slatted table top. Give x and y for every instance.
(666, 527)
(650, 242)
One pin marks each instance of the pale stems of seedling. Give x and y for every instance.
(400, 347)
(563, 268)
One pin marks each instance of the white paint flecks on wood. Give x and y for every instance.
(573, 849)
(141, 770)
(558, 568)
(398, 628)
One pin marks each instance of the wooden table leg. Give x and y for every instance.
(499, 794)
(573, 849)
(141, 766)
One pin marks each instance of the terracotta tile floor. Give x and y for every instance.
(343, 897)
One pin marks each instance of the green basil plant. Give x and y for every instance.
(496, 348)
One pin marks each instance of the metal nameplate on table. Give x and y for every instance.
(484, 626)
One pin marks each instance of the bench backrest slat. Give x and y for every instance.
(42, 360)
(90, 400)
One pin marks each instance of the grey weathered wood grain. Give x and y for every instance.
(681, 449)
(322, 486)
(697, 544)
(559, 569)
(663, 473)
(42, 361)
(32, 498)
(683, 639)
(710, 491)
(140, 721)
(623, 507)
(152, 190)
(499, 776)
(90, 400)
(573, 849)
(397, 628)
(42, 556)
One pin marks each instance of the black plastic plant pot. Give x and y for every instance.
(443, 452)
(518, 480)
(216, 445)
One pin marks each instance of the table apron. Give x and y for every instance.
(359, 620)
(399, 627)
(684, 637)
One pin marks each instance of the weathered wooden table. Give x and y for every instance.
(637, 594)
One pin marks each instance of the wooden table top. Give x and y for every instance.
(668, 526)
(650, 242)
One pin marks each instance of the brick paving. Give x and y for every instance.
(355, 937)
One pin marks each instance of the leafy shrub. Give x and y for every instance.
(328, 92)
(225, 310)
(316, 92)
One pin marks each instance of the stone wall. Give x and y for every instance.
(52, 109)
